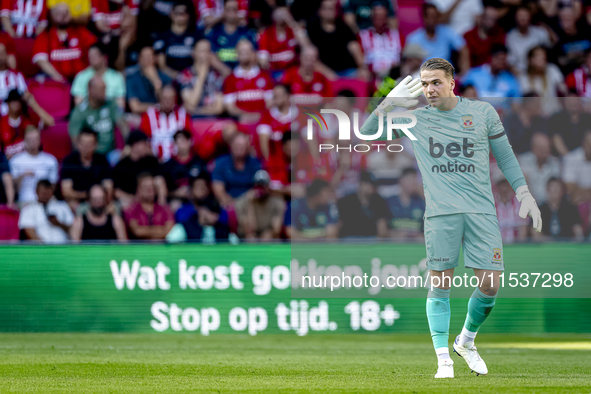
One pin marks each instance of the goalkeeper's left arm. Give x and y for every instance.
(507, 162)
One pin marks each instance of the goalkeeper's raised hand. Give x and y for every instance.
(403, 95)
(529, 207)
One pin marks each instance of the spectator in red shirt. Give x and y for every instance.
(211, 12)
(62, 51)
(26, 18)
(308, 86)
(580, 79)
(484, 36)
(279, 166)
(381, 44)
(275, 122)
(215, 141)
(161, 122)
(13, 125)
(145, 218)
(277, 43)
(248, 88)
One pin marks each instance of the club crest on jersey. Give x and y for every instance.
(467, 119)
(497, 254)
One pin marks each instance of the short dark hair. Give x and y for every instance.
(427, 6)
(347, 94)
(102, 48)
(141, 176)
(437, 63)
(287, 136)
(185, 133)
(316, 187)
(555, 179)
(89, 131)
(287, 88)
(44, 183)
(498, 48)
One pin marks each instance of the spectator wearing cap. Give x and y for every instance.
(315, 217)
(407, 208)
(560, 218)
(278, 43)
(139, 160)
(543, 78)
(494, 79)
(538, 166)
(522, 38)
(364, 213)
(260, 213)
(225, 36)
(579, 80)
(182, 166)
(459, 15)
(61, 52)
(576, 172)
(7, 194)
(98, 65)
(202, 216)
(147, 219)
(308, 85)
(569, 126)
(32, 165)
(484, 37)
(573, 40)
(233, 174)
(439, 40)
(145, 83)
(201, 84)
(513, 227)
(360, 14)
(14, 123)
(380, 42)
(97, 223)
(47, 220)
(84, 168)
(337, 44)
(100, 115)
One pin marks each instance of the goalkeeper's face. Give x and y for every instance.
(437, 87)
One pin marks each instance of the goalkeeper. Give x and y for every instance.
(454, 136)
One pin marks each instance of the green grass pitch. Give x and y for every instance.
(395, 363)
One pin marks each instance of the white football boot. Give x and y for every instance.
(471, 356)
(445, 369)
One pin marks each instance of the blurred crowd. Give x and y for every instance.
(180, 119)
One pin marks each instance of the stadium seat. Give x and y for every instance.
(52, 96)
(409, 18)
(8, 224)
(24, 54)
(56, 140)
(358, 87)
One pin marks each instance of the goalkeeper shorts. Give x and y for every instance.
(477, 233)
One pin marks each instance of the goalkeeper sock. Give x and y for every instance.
(438, 315)
(479, 308)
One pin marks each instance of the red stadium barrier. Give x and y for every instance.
(56, 140)
(9, 229)
(24, 54)
(52, 96)
(409, 18)
(359, 87)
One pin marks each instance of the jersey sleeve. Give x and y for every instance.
(145, 125)
(40, 48)
(263, 43)
(5, 7)
(502, 150)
